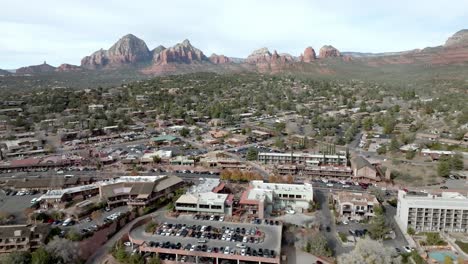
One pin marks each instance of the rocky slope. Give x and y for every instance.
(181, 53)
(65, 67)
(127, 50)
(458, 39)
(36, 69)
(308, 55)
(219, 59)
(328, 51)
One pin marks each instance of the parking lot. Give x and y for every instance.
(87, 224)
(185, 232)
(15, 204)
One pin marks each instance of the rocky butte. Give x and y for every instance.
(127, 50)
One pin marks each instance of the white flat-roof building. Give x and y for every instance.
(301, 158)
(447, 211)
(203, 198)
(263, 198)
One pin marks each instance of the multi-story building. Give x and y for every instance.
(205, 198)
(137, 191)
(305, 172)
(355, 206)
(14, 238)
(301, 158)
(262, 198)
(447, 211)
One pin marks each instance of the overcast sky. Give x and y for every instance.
(61, 31)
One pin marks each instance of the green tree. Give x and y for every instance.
(184, 132)
(378, 228)
(443, 168)
(279, 143)
(410, 154)
(382, 150)
(367, 123)
(394, 145)
(41, 256)
(154, 260)
(252, 154)
(411, 231)
(156, 159)
(17, 257)
(136, 259)
(456, 162)
(318, 246)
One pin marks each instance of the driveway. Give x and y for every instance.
(324, 216)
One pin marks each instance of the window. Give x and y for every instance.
(298, 196)
(205, 206)
(216, 207)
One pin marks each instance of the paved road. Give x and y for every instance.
(327, 219)
(83, 224)
(100, 254)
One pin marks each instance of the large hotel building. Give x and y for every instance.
(301, 158)
(447, 211)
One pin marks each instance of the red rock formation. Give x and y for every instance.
(96, 60)
(42, 68)
(68, 68)
(219, 59)
(128, 50)
(181, 53)
(308, 55)
(329, 51)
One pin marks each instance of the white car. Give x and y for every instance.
(330, 184)
(226, 251)
(128, 244)
(221, 218)
(240, 245)
(345, 222)
(407, 249)
(211, 217)
(290, 211)
(243, 252)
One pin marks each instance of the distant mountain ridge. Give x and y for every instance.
(132, 52)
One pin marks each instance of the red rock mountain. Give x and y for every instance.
(458, 39)
(155, 52)
(68, 68)
(266, 61)
(127, 50)
(35, 69)
(308, 55)
(181, 53)
(328, 51)
(219, 59)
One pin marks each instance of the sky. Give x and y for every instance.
(59, 31)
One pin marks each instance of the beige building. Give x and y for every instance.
(138, 190)
(355, 206)
(14, 238)
(363, 169)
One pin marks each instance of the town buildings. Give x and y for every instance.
(447, 211)
(206, 198)
(136, 191)
(355, 206)
(14, 238)
(364, 170)
(262, 199)
(301, 158)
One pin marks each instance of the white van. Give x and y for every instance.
(67, 222)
